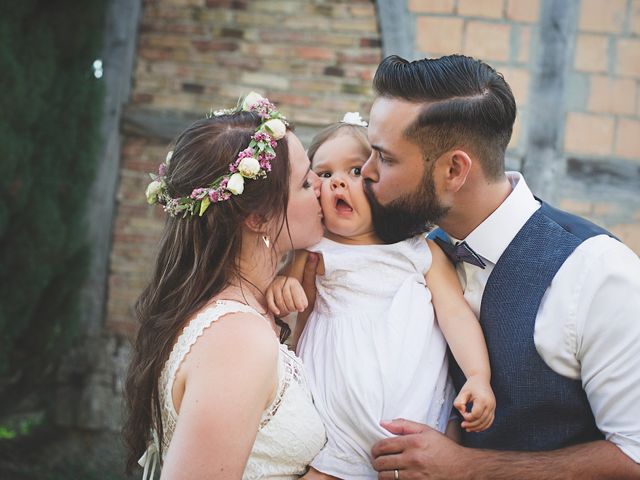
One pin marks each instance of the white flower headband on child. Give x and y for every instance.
(353, 118)
(251, 163)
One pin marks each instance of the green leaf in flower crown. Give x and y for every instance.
(153, 176)
(204, 204)
(270, 150)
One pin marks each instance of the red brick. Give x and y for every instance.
(589, 134)
(481, 8)
(591, 53)
(634, 21)
(628, 57)
(314, 53)
(431, 6)
(523, 11)
(628, 139)
(488, 41)
(605, 16)
(611, 95)
(439, 35)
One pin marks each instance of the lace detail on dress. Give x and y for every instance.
(292, 373)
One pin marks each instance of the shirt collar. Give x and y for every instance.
(491, 238)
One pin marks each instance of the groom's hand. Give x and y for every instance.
(418, 452)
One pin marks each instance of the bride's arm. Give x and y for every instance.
(230, 377)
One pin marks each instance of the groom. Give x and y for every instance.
(558, 298)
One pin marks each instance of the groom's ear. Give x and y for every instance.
(458, 165)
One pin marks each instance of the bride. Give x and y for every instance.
(211, 392)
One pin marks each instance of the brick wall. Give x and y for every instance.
(603, 118)
(606, 121)
(314, 58)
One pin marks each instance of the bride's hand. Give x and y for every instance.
(314, 474)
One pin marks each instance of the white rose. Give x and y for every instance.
(236, 184)
(276, 128)
(251, 99)
(153, 189)
(249, 167)
(354, 118)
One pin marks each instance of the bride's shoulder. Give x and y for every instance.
(238, 341)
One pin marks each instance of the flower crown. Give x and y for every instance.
(251, 163)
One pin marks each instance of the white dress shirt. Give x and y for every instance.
(588, 324)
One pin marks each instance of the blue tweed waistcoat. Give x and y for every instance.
(537, 409)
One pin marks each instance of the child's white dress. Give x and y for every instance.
(372, 350)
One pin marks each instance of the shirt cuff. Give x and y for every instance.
(629, 447)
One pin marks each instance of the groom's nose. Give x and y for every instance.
(369, 170)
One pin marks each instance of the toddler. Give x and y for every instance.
(372, 348)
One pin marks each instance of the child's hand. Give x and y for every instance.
(478, 391)
(285, 295)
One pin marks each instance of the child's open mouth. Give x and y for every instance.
(342, 206)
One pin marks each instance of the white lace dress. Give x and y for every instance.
(290, 433)
(372, 350)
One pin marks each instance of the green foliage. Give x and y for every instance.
(49, 137)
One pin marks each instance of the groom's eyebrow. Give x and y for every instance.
(378, 148)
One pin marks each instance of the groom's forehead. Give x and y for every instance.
(391, 116)
(402, 111)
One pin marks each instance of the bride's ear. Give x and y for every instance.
(256, 223)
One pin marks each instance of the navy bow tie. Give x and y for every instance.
(460, 252)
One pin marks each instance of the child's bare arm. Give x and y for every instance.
(294, 289)
(466, 341)
(295, 269)
(457, 322)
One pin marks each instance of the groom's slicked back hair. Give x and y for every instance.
(468, 105)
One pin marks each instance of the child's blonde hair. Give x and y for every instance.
(336, 129)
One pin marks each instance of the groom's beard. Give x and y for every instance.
(407, 215)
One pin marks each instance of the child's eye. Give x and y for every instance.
(324, 175)
(306, 185)
(356, 171)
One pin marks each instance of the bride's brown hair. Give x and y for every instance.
(197, 256)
